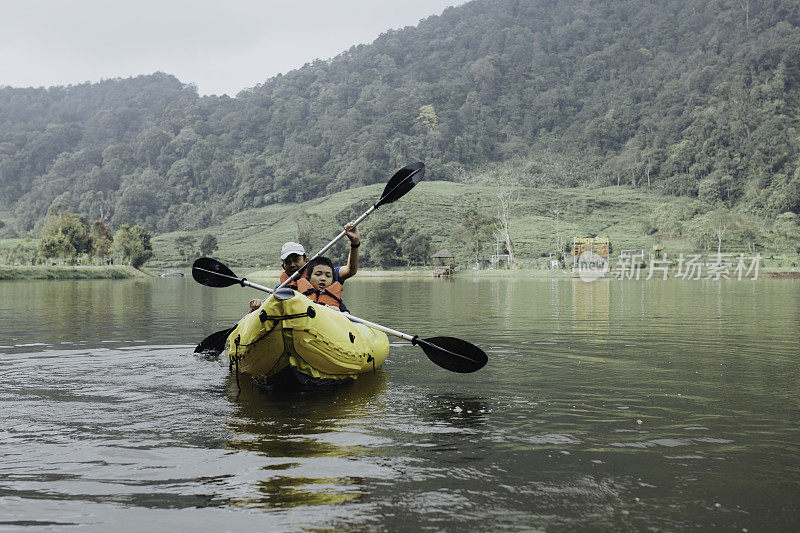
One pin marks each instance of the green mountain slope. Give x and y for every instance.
(685, 98)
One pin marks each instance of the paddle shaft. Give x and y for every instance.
(384, 329)
(241, 281)
(327, 247)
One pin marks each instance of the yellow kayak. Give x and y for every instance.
(292, 342)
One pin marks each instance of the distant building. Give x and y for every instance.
(443, 263)
(498, 258)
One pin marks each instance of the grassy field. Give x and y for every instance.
(252, 239)
(69, 272)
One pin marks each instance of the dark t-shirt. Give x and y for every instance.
(336, 276)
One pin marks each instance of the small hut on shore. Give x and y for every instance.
(443, 263)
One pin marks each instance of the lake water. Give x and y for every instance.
(614, 405)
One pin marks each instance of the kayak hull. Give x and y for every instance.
(291, 379)
(295, 341)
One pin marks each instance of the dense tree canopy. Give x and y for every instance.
(65, 235)
(133, 244)
(691, 98)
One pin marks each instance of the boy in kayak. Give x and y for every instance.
(293, 257)
(319, 286)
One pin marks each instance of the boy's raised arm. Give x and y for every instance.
(349, 270)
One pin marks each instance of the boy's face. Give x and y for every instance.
(321, 277)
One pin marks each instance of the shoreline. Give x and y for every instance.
(42, 272)
(498, 274)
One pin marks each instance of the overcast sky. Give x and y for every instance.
(222, 46)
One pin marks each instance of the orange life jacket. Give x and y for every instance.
(284, 277)
(330, 295)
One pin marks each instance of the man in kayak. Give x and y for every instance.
(293, 257)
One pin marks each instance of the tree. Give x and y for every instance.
(384, 250)
(699, 230)
(745, 5)
(133, 243)
(208, 245)
(309, 230)
(750, 234)
(559, 239)
(102, 240)
(427, 117)
(56, 245)
(646, 227)
(667, 220)
(786, 225)
(415, 246)
(137, 203)
(707, 227)
(721, 220)
(716, 188)
(506, 201)
(65, 235)
(23, 253)
(185, 246)
(475, 228)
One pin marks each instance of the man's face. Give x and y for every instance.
(293, 262)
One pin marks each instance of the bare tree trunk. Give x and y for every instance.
(506, 202)
(721, 228)
(559, 244)
(745, 5)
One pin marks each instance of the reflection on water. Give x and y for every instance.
(611, 405)
(309, 439)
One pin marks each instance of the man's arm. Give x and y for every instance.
(350, 269)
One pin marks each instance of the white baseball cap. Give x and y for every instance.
(290, 248)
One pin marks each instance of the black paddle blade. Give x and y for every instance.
(212, 273)
(214, 344)
(402, 182)
(453, 354)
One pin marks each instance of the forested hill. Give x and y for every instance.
(690, 98)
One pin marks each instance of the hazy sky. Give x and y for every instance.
(222, 46)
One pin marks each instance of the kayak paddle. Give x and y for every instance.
(450, 353)
(214, 344)
(212, 273)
